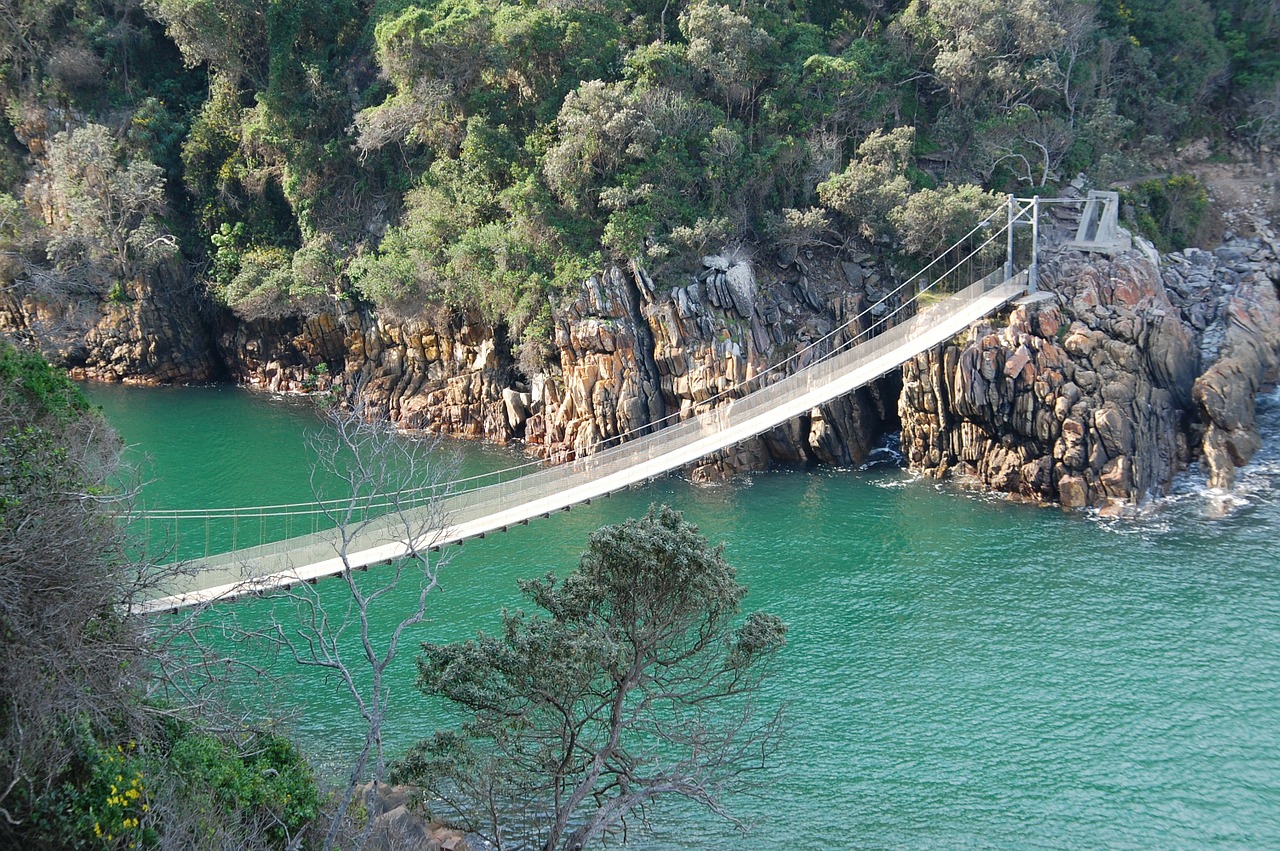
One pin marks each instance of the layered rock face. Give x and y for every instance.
(150, 331)
(629, 357)
(632, 357)
(1099, 388)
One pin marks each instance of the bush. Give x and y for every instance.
(86, 761)
(874, 184)
(257, 789)
(181, 788)
(1170, 211)
(71, 663)
(261, 286)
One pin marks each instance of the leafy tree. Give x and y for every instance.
(227, 35)
(1028, 144)
(1250, 29)
(600, 127)
(1188, 59)
(634, 685)
(262, 285)
(113, 205)
(1170, 210)
(985, 47)
(874, 183)
(932, 220)
(434, 57)
(852, 93)
(876, 193)
(239, 202)
(545, 52)
(11, 216)
(730, 49)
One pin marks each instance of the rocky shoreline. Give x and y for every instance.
(1106, 383)
(1093, 392)
(629, 355)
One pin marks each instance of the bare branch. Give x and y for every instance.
(374, 464)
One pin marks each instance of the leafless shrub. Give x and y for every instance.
(75, 67)
(349, 640)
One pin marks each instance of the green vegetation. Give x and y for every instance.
(636, 684)
(642, 662)
(1170, 211)
(177, 788)
(88, 758)
(482, 154)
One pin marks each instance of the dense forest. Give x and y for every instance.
(481, 154)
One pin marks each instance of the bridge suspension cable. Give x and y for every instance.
(813, 350)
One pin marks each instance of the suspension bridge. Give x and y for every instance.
(853, 355)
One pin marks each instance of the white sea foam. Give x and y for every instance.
(895, 483)
(1192, 501)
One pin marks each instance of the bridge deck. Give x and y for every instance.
(476, 512)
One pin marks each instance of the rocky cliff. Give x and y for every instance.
(146, 331)
(630, 355)
(1099, 388)
(1095, 391)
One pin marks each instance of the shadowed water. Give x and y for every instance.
(961, 671)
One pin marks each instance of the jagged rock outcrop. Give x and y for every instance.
(148, 331)
(606, 386)
(446, 376)
(1098, 389)
(1243, 345)
(632, 356)
(289, 354)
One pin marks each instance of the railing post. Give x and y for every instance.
(1013, 216)
(1033, 273)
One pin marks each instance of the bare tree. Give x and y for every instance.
(1059, 71)
(393, 489)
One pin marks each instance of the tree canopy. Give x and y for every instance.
(483, 154)
(636, 681)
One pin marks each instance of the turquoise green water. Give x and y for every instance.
(961, 672)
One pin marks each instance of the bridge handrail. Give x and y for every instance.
(473, 512)
(643, 448)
